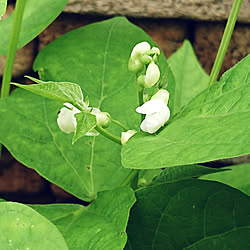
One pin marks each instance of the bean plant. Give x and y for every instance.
(114, 123)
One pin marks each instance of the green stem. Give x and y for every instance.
(225, 41)
(119, 124)
(130, 177)
(12, 46)
(105, 133)
(140, 100)
(134, 172)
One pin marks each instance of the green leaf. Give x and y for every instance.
(101, 225)
(238, 177)
(60, 91)
(189, 214)
(214, 125)
(190, 78)
(3, 6)
(23, 228)
(96, 57)
(185, 172)
(85, 123)
(37, 16)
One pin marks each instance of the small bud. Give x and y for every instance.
(135, 66)
(156, 51)
(103, 119)
(152, 75)
(127, 135)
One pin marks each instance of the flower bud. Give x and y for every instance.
(135, 66)
(127, 135)
(140, 49)
(152, 75)
(103, 119)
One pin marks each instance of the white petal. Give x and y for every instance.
(127, 135)
(161, 95)
(150, 107)
(66, 120)
(139, 49)
(154, 121)
(152, 75)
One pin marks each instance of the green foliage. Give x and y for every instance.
(85, 123)
(3, 5)
(190, 77)
(212, 126)
(101, 225)
(23, 228)
(37, 16)
(189, 214)
(60, 91)
(96, 58)
(238, 177)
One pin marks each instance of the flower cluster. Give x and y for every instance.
(67, 122)
(156, 109)
(143, 61)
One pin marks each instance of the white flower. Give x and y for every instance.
(152, 75)
(156, 111)
(127, 135)
(140, 49)
(66, 120)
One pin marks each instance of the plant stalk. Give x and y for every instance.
(225, 41)
(12, 47)
(108, 135)
(11, 51)
(130, 177)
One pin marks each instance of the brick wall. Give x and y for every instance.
(23, 184)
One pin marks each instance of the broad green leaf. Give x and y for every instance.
(85, 123)
(101, 225)
(37, 16)
(214, 125)
(238, 177)
(60, 91)
(190, 78)
(23, 228)
(3, 5)
(96, 58)
(189, 214)
(2, 200)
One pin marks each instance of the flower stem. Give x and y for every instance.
(225, 41)
(140, 100)
(130, 177)
(12, 47)
(108, 135)
(134, 172)
(119, 124)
